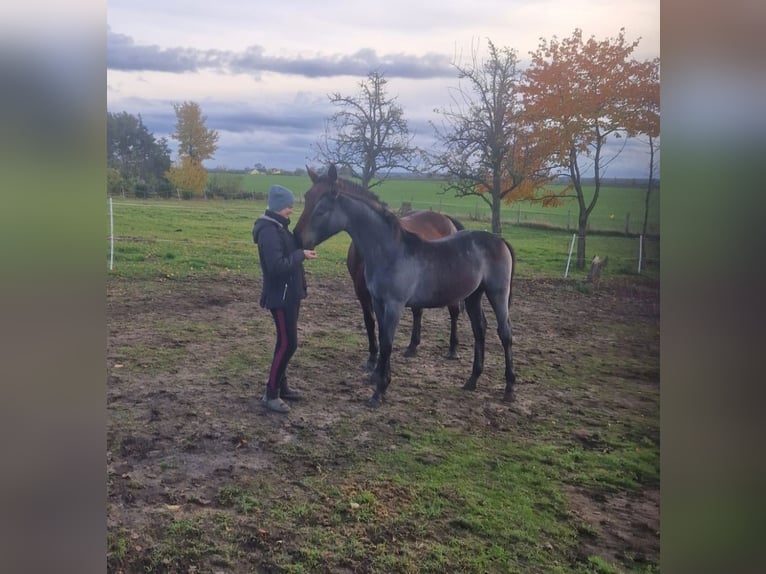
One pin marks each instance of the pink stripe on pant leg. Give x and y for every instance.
(281, 350)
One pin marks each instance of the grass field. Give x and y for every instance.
(179, 238)
(616, 209)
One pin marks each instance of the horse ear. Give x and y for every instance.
(312, 174)
(332, 173)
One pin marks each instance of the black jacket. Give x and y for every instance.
(284, 280)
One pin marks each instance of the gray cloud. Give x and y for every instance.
(124, 54)
(239, 118)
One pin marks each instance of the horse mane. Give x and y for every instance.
(353, 189)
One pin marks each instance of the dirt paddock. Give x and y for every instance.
(187, 362)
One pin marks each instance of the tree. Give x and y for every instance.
(488, 149)
(648, 124)
(188, 177)
(653, 148)
(196, 143)
(114, 181)
(582, 94)
(133, 152)
(368, 135)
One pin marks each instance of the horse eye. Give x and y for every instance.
(321, 209)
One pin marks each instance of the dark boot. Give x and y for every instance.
(287, 393)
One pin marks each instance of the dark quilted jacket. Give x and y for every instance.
(284, 280)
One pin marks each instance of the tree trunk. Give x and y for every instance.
(582, 216)
(646, 200)
(583, 222)
(496, 227)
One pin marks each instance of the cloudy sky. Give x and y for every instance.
(262, 71)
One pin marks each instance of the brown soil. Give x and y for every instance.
(184, 421)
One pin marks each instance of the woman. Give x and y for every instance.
(284, 286)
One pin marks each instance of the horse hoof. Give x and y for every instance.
(409, 352)
(453, 356)
(469, 386)
(509, 397)
(375, 401)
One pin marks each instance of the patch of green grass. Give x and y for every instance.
(173, 239)
(497, 511)
(240, 362)
(447, 501)
(598, 565)
(241, 500)
(615, 466)
(440, 501)
(117, 544)
(143, 357)
(181, 547)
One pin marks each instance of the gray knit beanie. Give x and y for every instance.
(280, 197)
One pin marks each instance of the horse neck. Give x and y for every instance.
(371, 232)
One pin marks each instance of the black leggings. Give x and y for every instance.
(286, 322)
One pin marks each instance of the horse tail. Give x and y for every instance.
(459, 226)
(513, 270)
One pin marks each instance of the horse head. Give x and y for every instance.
(322, 186)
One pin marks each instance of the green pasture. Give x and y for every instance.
(617, 209)
(180, 238)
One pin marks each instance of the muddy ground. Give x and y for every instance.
(187, 361)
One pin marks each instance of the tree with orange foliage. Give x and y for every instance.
(187, 176)
(583, 93)
(196, 143)
(488, 149)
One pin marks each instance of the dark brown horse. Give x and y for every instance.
(402, 270)
(425, 224)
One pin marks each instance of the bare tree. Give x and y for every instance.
(486, 147)
(368, 134)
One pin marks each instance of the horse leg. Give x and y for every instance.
(504, 332)
(388, 318)
(479, 328)
(372, 343)
(454, 315)
(417, 319)
(499, 304)
(365, 300)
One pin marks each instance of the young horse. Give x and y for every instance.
(426, 224)
(402, 269)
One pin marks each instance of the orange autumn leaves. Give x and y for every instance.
(579, 92)
(575, 95)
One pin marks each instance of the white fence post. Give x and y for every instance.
(571, 246)
(111, 235)
(640, 251)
